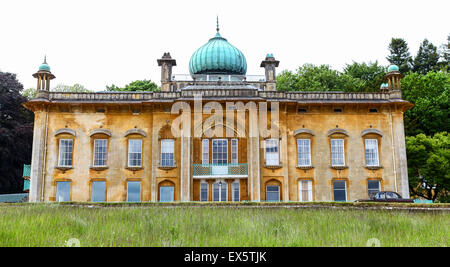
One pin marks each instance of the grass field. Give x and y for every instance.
(53, 225)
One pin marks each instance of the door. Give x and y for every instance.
(273, 193)
(219, 157)
(166, 193)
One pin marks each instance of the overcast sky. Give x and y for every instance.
(99, 43)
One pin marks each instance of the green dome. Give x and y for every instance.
(384, 85)
(44, 66)
(218, 57)
(393, 68)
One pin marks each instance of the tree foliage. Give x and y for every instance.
(370, 73)
(399, 54)
(136, 86)
(427, 58)
(430, 94)
(16, 134)
(428, 166)
(31, 92)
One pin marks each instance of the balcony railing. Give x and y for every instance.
(236, 170)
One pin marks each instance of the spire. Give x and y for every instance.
(217, 29)
(45, 59)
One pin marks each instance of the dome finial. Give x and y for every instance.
(45, 59)
(217, 29)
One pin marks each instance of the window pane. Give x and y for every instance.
(236, 191)
(220, 191)
(135, 152)
(134, 191)
(205, 151)
(220, 151)
(204, 192)
(98, 191)
(100, 148)
(166, 193)
(304, 152)
(373, 187)
(305, 190)
(340, 191)
(371, 152)
(65, 152)
(167, 152)
(272, 156)
(234, 151)
(273, 193)
(337, 152)
(63, 191)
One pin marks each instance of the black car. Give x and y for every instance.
(386, 196)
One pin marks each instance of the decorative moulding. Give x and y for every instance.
(101, 131)
(337, 131)
(371, 131)
(135, 131)
(339, 167)
(300, 131)
(66, 131)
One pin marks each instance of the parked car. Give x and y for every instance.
(387, 196)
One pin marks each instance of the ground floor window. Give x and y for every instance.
(98, 191)
(63, 191)
(236, 191)
(305, 190)
(373, 187)
(133, 191)
(340, 190)
(166, 193)
(273, 193)
(220, 191)
(204, 192)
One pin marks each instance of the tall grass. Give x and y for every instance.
(53, 225)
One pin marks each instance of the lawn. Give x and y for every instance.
(53, 225)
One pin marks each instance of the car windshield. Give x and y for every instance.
(391, 195)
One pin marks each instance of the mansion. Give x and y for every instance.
(217, 134)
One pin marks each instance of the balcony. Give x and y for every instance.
(230, 170)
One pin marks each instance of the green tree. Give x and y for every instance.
(444, 54)
(370, 73)
(427, 58)
(31, 92)
(428, 166)
(318, 78)
(136, 86)
(430, 94)
(16, 134)
(399, 54)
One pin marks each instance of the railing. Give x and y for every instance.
(218, 77)
(220, 170)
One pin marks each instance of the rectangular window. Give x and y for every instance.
(305, 190)
(236, 191)
(204, 191)
(135, 153)
(100, 148)
(273, 193)
(340, 190)
(166, 193)
(372, 152)
(304, 152)
(373, 187)
(337, 152)
(133, 191)
(234, 151)
(220, 191)
(167, 153)
(65, 152)
(98, 191)
(220, 151)
(62, 191)
(205, 151)
(272, 156)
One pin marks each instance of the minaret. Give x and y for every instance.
(393, 78)
(166, 63)
(270, 65)
(43, 77)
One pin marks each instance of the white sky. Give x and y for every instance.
(98, 43)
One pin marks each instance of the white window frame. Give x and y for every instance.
(98, 153)
(309, 189)
(205, 151)
(58, 199)
(372, 159)
(272, 158)
(167, 147)
(225, 154)
(234, 151)
(207, 191)
(336, 151)
(279, 189)
(62, 160)
(130, 153)
(224, 185)
(236, 185)
(299, 153)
